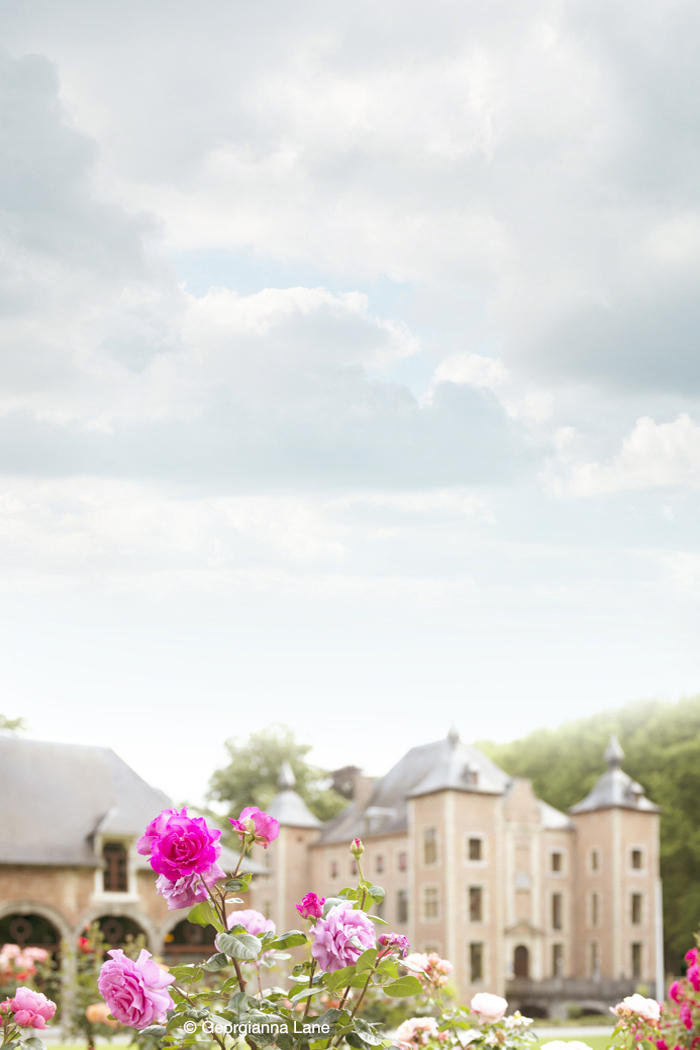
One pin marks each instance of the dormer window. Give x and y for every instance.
(115, 878)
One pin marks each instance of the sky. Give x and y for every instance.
(349, 370)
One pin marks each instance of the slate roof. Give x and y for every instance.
(289, 807)
(54, 798)
(615, 788)
(443, 764)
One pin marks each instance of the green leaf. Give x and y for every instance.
(377, 894)
(216, 962)
(34, 1043)
(239, 945)
(204, 915)
(366, 960)
(380, 922)
(240, 882)
(367, 1033)
(356, 1041)
(330, 1017)
(404, 987)
(288, 940)
(339, 979)
(155, 1030)
(348, 894)
(235, 900)
(304, 994)
(388, 967)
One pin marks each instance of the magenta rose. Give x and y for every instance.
(181, 845)
(31, 1009)
(135, 992)
(693, 976)
(342, 937)
(155, 829)
(188, 890)
(253, 821)
(311, 906)
(254, 921)
(686, 1016)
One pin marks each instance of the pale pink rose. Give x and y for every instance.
(417, 1032)
(136, 992)
(490, 1008)
(31, 1009)
(254, 921)
(646, 1009)
(188, 890)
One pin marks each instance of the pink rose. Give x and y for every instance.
(254, 921)
(646, 1009)
(686, 1016)
(155, 829)
(693, 976)
(490, 1008)
(188, 890)
(181, 845)
(136, 992)
(396, 942)
(661, 1044)
(674, 992)
(692, 956)
(417, 1031)
(31, 1009)
(253, 821)
(342, 937)
(311, 906)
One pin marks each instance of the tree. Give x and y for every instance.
(251, 776)
(11, 725)
(661, 742)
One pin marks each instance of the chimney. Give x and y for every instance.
(362, 791)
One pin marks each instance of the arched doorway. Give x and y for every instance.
(521, 961)
(119, 930)
(188, 939)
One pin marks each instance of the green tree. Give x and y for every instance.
(661, 742)
(251, 776)
(11, 725)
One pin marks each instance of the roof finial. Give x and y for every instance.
(614, 753)
(453, 736)
(287, 780)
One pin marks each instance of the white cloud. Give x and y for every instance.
(653, 455)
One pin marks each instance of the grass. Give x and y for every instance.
(596, 1042)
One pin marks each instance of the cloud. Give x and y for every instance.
(653, 455)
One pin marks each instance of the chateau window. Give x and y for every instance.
(476, 904)
(557, 912)
(379, 863)
(595, 860)
(557, 862)
(595, 909)
(476, 962)
(402, 906)
(403, 861)
(430, 902)
(636, 909)
(557, 960)
(636, 962)
(430, 846)
(595, 960)
(115, 876)
(334, 869)
(637, 859)
(475, 849)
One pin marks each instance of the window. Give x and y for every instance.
(430, 902)
(379, 863)
(557, 923)
(334, 869)
(637, 859)
(114, 879)
(521, 961)
(557, 861)
(475, 850)
(595, 860)
(636, 909)
(403, 861)
(595, 909)
(595, 960)
(476, 904)
(402, 906)
(636, 962)
(557, 960)
(476, 962)
(430, 846)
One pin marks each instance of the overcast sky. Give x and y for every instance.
(349, 370)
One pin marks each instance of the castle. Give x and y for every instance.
(525, 901)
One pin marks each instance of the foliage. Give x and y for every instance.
(89, 954)
(11, 725)
(252, 774)
(662, 751)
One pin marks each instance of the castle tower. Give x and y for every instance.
(618, 911)
(288, 860)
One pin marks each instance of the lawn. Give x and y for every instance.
(596, 1042)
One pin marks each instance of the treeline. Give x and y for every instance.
(661, 742)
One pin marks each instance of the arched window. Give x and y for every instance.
(521, 961)
(189, 939)
(115, 877)
(119, 929)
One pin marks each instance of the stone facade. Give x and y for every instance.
(546, 907)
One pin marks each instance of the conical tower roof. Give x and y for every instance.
(615, 788)
(289, 807)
